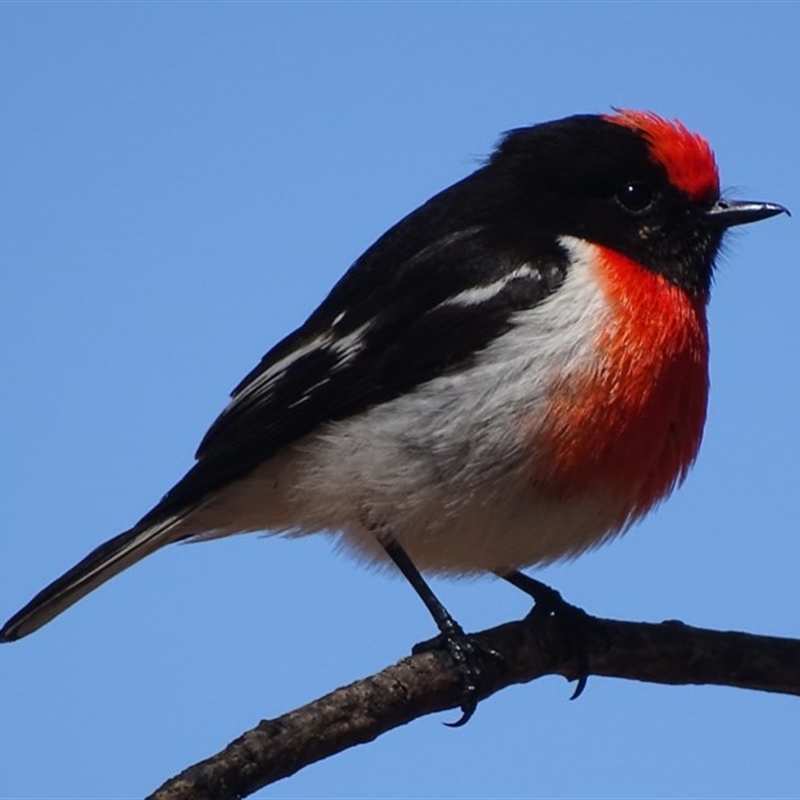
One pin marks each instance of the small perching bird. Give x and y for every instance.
(512, 374)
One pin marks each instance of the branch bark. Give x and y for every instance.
(428, 682)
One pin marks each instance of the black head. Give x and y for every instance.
(631, 181)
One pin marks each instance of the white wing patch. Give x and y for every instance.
(476, 295)
(349, 346)
(344, 349)
(264, 382)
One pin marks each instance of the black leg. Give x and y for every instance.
(462, 649)
(550, 603)
(547, 599)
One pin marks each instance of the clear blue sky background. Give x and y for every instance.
(181, 184)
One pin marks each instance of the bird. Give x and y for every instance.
(513, 374)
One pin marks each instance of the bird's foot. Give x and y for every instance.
(570, 619)
(469, 657)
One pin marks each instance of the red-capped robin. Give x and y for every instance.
(512, 374)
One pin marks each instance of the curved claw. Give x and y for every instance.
(467, 710)
(582, 681)
(470, 698)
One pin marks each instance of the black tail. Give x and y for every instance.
(101, 564)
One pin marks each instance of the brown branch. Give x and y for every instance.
(424, 683)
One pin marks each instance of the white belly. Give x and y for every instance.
(446, 469)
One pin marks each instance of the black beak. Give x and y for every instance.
(727, 213)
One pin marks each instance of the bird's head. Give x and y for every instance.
(631, 181)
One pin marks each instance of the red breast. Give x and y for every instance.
(632, 423)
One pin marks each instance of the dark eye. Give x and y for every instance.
(636, 197)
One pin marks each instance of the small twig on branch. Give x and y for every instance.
(669, 652)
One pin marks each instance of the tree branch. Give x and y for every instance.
(428, 682)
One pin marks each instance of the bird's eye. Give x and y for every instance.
(636, 197)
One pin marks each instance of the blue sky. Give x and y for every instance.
(180, 184)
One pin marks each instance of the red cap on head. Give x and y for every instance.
(686, 157)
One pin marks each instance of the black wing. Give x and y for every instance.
(413, 307)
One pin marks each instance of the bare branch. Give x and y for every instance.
(427, 682)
